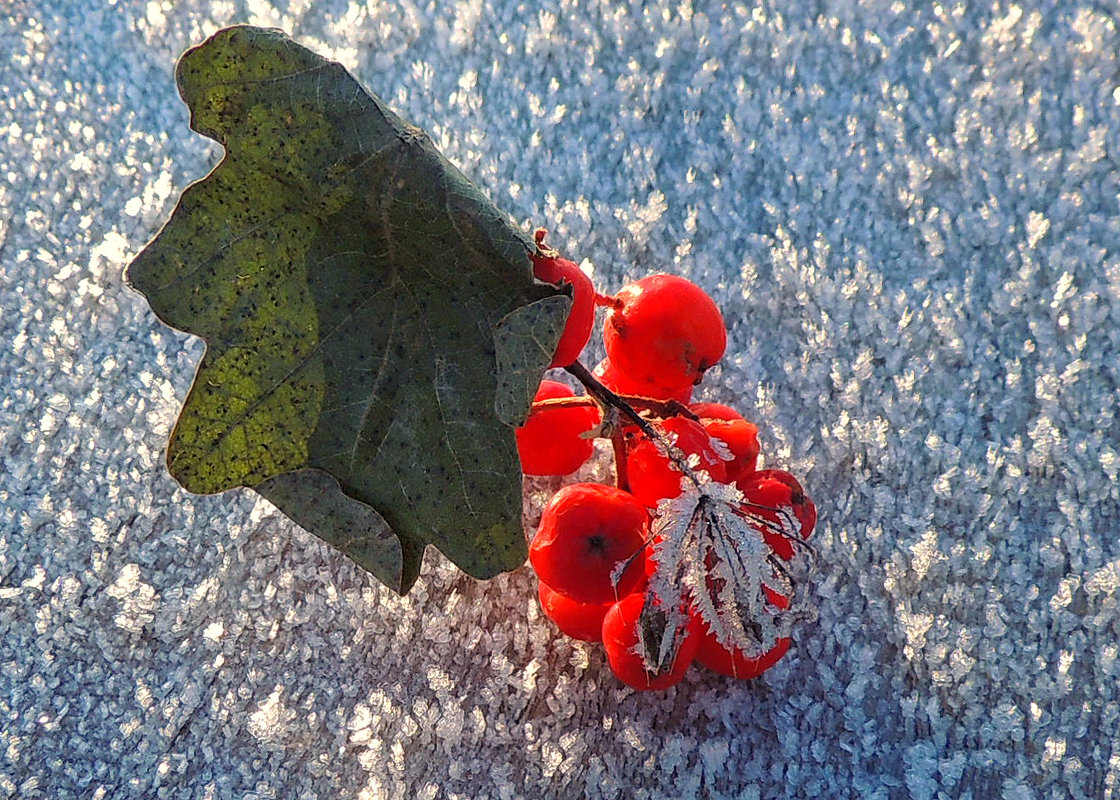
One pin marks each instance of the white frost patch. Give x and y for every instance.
(1037, 227)
(1105, 580)
(643, 219)
(269, 723)
(1055, 749)
(924, 553)
(112, 251)
(138, 599)
(1064, 595)
(214, 631)
(915, 626)
(359, 724)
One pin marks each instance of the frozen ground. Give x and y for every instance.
(909, 214)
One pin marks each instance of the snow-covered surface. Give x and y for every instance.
(908, 212)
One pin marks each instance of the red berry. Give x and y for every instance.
(550, 441)
(550, 268)
(621, 641)
(803, 508)
(664, 332)
(582, 621)
(586, 531)
(741, 438)
(714, 411)
(770, 489)
(653, 476)
(734, 663)
(618, 383)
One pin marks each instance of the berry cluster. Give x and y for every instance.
(695, 554)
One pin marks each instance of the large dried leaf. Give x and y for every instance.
(350, 284)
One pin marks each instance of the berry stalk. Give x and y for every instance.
(610, 399)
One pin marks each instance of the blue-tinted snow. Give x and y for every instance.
(908, 212)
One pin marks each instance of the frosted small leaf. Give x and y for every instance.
(711, 555)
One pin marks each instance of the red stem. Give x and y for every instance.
(608, 300)
(579, 401)
(618, 444)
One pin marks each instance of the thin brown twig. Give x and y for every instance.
(610, 399)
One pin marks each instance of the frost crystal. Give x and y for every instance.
(712, 556)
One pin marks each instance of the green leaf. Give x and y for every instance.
(371, 319)
(315, 501)
(524, 338)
